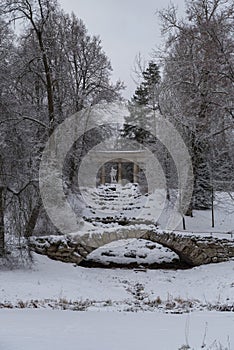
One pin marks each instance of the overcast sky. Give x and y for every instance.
(126, 28)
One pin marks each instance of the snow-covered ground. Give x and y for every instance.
(179, 307)
(156, 309)
(223, 214)
(46, 329)
(128, 251)
(120, 289)
(201, 222)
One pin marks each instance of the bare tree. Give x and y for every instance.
(56, 69)
(198, 86)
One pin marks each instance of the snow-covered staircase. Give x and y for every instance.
(114, 203)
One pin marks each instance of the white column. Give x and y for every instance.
(103, 180)
(119, 172)
(135, 172)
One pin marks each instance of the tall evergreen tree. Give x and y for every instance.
(143, 104)
(141, 124)
(146, 93)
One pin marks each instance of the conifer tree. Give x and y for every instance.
(143, 104)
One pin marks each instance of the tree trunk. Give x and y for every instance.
(183, 221)
(49, 84)
(2, 236)
(189, 211)
(212, 209)
(33, 219)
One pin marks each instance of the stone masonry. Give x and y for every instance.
(193, 250)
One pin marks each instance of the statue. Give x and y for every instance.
(113, 173)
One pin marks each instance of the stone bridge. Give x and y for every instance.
(193, 250)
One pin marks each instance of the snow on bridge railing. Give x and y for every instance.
(217, 234)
